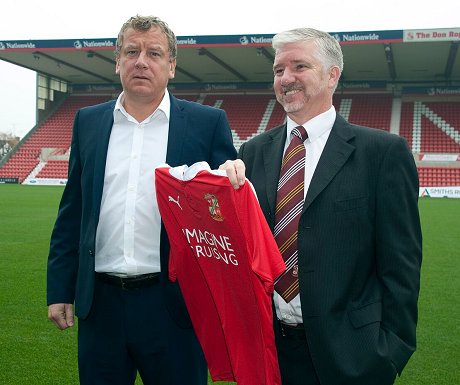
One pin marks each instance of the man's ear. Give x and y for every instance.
(172, 68)
(334, 76)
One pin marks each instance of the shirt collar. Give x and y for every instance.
(119, 111)
(316, 126)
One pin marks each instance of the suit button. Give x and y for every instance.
(90, 252)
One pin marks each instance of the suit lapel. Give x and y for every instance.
(335, 154)
(176, 135)
(273, 155)
(104, 123)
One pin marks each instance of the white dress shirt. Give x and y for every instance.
(128, 233)
(318, 130)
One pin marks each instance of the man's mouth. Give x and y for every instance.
(291, 91)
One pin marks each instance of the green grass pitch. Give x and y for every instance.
(33, 351)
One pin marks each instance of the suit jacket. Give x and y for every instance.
(196, 133)
(359, 249)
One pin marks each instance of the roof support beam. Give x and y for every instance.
(263, 51)
(101, 57)
(390, 60)
(62, 62)
(204, 51)
(186, 73)
(451, 59)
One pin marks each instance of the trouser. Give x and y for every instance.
(294, 358)
(130, 331)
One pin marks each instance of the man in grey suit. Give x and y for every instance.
(359, 244)
(109, 251)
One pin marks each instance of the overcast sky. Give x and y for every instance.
(52, 19)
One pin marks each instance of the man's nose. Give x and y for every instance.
(141, 60)
(287, 77)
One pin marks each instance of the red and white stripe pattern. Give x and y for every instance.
(289, 203)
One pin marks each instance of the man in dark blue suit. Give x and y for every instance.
(356, 264)
(108, 250)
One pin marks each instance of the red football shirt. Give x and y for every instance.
(225, 260)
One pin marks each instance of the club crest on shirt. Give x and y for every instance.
(295, 271)
(214, 208)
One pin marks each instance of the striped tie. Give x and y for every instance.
(289, 203)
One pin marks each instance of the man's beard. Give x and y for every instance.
(292, 106)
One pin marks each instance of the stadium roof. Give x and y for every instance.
(430, 57)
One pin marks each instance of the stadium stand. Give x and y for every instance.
(406, 82)
(54, 134)
(248, 115)
(439, 176)
(367, 110)
(54, 169)
(429, 127)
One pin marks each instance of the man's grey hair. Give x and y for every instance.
(329, 51)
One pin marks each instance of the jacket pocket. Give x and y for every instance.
(351, 204)
(366, 315)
